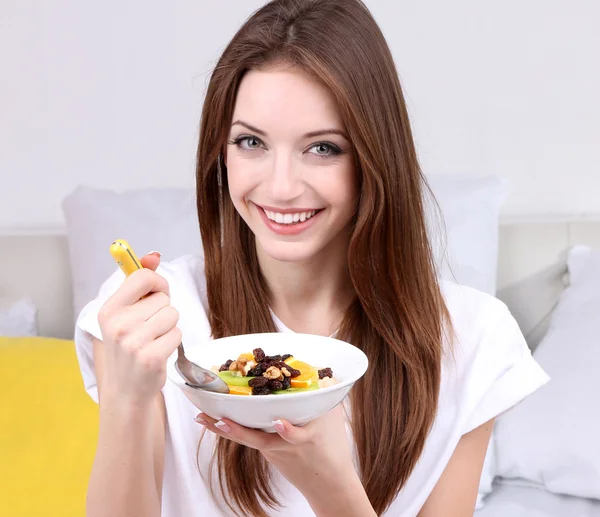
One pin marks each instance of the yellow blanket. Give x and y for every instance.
(48, 429)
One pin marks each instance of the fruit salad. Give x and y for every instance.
(259, 374)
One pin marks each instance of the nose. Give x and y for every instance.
(285, 181)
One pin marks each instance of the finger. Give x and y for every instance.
(209, 424)
(163, 346)
(143, 333)
(240, 434)
(138, 284)
(302, 434)
(291, 434)
(151, 260)
(149, 306)
(132, 318)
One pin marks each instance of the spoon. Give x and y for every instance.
(194, 376)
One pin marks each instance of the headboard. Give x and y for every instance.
(531, 271)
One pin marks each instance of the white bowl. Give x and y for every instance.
(258, 411)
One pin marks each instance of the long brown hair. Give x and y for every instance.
(398, 317)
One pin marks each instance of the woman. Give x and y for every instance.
(312, 220)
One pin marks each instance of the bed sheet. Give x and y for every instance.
(518, 501)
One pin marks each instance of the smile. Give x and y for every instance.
(290, 218)
(289, 222)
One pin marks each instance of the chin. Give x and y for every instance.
(288, 251)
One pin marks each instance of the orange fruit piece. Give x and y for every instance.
(240, 390)
(308, 373)
(301, 383)
(248, 357)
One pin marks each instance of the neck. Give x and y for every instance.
(310, 296)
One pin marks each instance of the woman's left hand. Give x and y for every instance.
(315, 458)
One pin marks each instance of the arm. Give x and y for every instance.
(455, 493)
(126, 478)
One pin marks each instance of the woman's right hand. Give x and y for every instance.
(139, 332)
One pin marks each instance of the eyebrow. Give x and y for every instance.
(312, 134)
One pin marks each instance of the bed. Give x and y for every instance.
(531, 275)
(518, 501)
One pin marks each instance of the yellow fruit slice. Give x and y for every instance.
(308, 373)
(301, 383)
(248, 357)
(240, 390)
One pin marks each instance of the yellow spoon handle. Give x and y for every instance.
(124, 256)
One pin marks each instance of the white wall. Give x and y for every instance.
(109, 94)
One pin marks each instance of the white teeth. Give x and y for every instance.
(289, 218)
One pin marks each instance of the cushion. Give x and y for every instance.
(551, 439)
(48, 429)
(18, 317)
(162, 219)
(470, 207)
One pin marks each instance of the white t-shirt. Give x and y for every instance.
(491, 370)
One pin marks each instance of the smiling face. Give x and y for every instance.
(290, 167)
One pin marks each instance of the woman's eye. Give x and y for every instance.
(249, 142)
(325, 149)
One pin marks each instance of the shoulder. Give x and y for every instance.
(485, 339)
(474, 313)
(488, 366)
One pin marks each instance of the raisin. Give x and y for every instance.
(287, 383)
(293, 372)
(273, 358)
(263, 390)
(225, 366)
(258, 382)
(325, 372)
(275, 385)
(258, 370)
(285, 356)
(259, 355)
(267, 364)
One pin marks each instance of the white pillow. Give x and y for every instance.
(165, 220)
(551, 439)
(18, 318)
(470, 207)
(149, 219)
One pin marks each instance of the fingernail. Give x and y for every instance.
(278, 425)
(157, 253)
(223, 426)
(200, 420)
